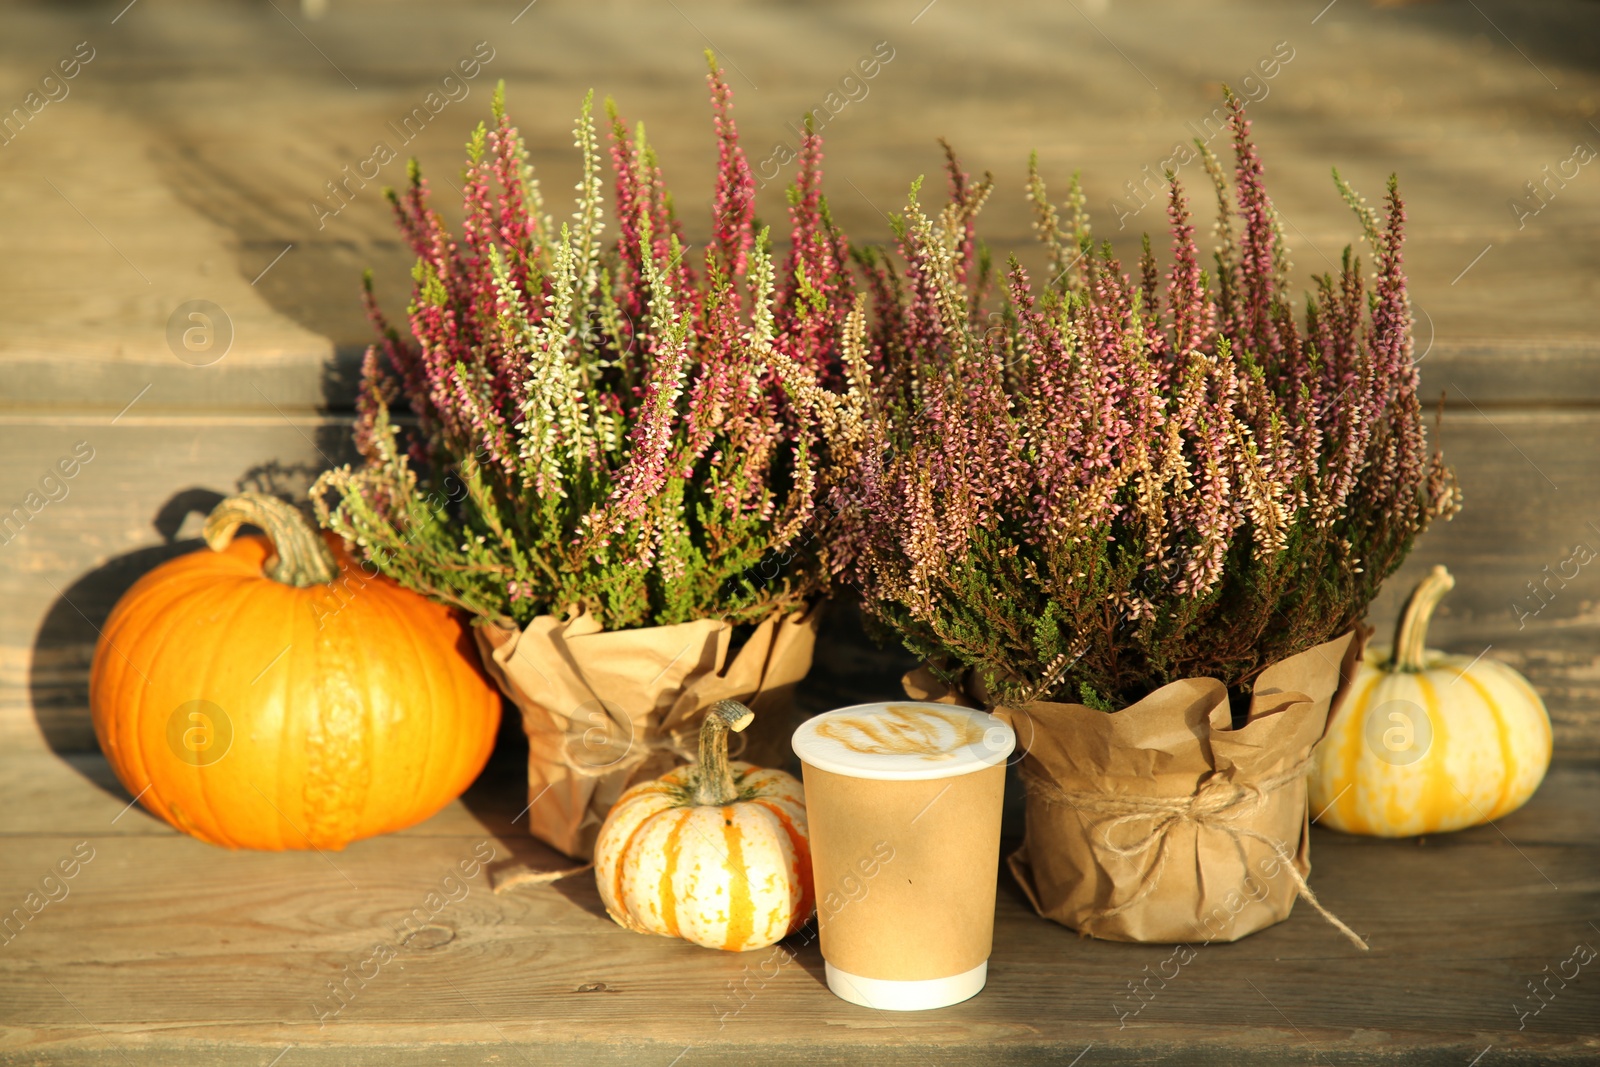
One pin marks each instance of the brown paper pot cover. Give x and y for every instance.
(606, 709)
(1161, 823)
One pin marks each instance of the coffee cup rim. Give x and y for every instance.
(996, 743)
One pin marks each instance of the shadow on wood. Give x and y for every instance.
(581, 890)
(63, 647)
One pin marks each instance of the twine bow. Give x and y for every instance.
(681, 743)
(1219, 804)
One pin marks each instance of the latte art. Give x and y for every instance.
(901, 730)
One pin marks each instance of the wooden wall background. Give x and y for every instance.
(182, 163)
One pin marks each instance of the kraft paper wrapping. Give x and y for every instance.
(1162, 823)
(607, 709)
(905, 872)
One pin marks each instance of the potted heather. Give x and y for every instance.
(600, 463)
(1167, 498)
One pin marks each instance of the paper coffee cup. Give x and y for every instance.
(903, 804)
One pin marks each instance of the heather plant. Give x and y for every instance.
(595, 425)
(1107, 483)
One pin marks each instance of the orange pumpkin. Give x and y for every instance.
(714, 853)
(269, 694)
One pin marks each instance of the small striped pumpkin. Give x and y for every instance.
(1428, 742)
(715, 852)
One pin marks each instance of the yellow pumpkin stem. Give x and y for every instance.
(300, 556)
(1411, 635)
(714, 778)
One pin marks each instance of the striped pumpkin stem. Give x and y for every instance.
(1411, 635)
(714, 785)
(300, 557)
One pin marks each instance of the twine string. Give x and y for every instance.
(1219, 804)
(682, 743)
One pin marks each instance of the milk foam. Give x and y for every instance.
(903, 740)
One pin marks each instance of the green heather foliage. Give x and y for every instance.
(1085, 489)
(597, 426)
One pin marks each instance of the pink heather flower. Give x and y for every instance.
(1136, 479)
(608, 426)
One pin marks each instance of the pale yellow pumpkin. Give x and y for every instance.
(716, 853)
(1428, 742)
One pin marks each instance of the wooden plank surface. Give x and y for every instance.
(169, 950)
(190, 149)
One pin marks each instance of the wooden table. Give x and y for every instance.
(172, 951)
(183, 164)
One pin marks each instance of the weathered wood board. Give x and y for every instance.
(169, 950)
(191, 150)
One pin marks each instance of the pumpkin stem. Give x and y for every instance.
(714, 779)
(1410, 636)
(300, 556)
